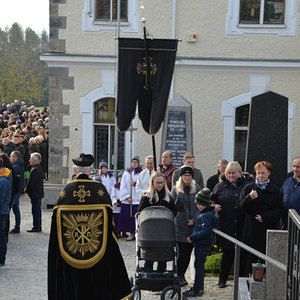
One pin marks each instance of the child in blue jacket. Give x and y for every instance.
(203, 238)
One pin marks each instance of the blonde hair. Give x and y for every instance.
(179, 185)
(233, 164)
(152, 191)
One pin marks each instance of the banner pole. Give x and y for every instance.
(149, 87)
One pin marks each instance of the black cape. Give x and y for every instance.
(84, 259)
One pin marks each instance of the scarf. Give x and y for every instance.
(262, 185)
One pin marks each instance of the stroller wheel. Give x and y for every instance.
(136, 293)
(168, 291)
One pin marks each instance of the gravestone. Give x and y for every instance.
(268, 134)
(177, 135)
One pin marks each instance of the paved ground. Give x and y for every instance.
(25, 273)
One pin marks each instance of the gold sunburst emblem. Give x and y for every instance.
(82, 231)
(100, 192)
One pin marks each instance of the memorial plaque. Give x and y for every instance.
(268, 134)
(176, 135)
(177, 129)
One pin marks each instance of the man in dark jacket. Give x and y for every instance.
(167, 168)
(214, 180)
(43, 152)
(24, 143)
(18, 165)
(33, 147)
(18, 146)
(35, 190)
(290, 191)
(9, 146)
(189, 160)
(84, 260)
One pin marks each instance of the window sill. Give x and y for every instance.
(265, 26)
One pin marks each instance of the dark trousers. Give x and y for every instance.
(227, 259)
(3, 241)
(184, 256)
(36, 213)
(200, 257)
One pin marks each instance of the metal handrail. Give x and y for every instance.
(251, 250)
(238, 246)
(295, 217)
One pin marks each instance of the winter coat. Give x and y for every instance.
(203, 235)
(145, 202)
(290, 192)
(5, 188)
(19, 176)
(269, 205)
(168, 173)
(35, 187)
(9, 148)
(186, 210)
(231, 218)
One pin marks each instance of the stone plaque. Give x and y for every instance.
(268, 134)
(177, 129)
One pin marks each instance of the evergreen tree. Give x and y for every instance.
(22, 75)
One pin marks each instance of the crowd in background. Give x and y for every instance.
(25, 129)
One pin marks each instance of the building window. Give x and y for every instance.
(262, 17)
(101, 15)
(262, 12)
(107, 10)
(104, 122)
(240, 133)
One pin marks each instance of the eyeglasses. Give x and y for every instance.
(187, 175)
(160, 182)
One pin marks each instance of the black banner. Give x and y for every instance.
(136, 85)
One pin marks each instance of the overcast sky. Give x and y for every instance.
(28, 13)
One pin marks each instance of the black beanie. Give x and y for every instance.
(186, 169)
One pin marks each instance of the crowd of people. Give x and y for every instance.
(24, 137)
(246, 206)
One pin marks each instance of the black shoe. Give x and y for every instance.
(222, 285)
(34, 230)
(192, 293)
(15, 230)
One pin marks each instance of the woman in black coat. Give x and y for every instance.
(157, 195)
(262, 203)
(225, 195)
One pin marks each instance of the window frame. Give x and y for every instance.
(288, 29)
(110, 20)
(262, 16)
(90, 24)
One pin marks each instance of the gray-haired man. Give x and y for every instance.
(145, 176)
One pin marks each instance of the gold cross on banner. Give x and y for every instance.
(142, 68)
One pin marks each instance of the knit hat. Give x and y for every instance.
(203, 197)
(136, 157)
(186, 169)
(120, 174)
(103, 164)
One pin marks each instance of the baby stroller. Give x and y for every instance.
(155, 241)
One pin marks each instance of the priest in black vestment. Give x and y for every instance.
(84, 259)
